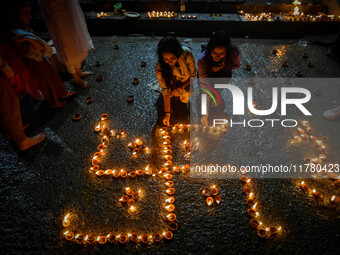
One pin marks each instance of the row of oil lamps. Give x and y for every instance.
(161, 14)
(131, 196)
(306, 133)
(255, 221)
(295, 16)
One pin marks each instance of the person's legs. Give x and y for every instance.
(10, 117)
(49, 82)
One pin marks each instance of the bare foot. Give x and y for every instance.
(80, 82)
(31, 141)
(84, 74)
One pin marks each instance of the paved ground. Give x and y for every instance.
(39, 186)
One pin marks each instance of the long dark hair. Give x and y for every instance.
(172, 45)
(219, 39)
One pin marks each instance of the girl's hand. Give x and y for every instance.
(166, 119)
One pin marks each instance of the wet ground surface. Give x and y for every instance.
(39, 186)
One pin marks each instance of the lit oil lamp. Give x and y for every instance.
(128, 191)
(168, 235)
(218, 199)
(335, 199)
(122, 239)
(121, 131)
(317, 194)
(309, 130)
(135, 151)
(206, 192)
(111, 237)
(79, 238)
(123, 173)
(100, 172)
(168, 176)
(170, 208)
(170, 191)
(148, 171)
(90, 239)
(97, 128)
(66, 221)
(145, 238)
(108, 172)
(171, 217)
(209, 201)
(301, 131)
(214, 190)
(169, 184)
(104, 116)
(166, 142)
(102, 239)
(304, 186)
(322, 156)
(170, 200)
(139, 142)
(133, 237)
(115, 173)
(168, 163)
(246, 190)
(132, 174)
(136, 195)
(313, 138)
(304, 136)
(132, 145)
(252, 213)
(132, 208)
(69, 235)
(124, 199)
(168, 157)
(139, 172)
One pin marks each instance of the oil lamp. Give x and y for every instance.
(168, 176)
(130, 202)
(135, 195)
(69, 235)
(111, 237)
(128, 191)
(123, 173)
(101, 239)
(317, 194)
(170, 200)
(90, 239)
(209, 201)
(304, 186)
(157, 237)
(79, 238)
(171, 217)
(133, 237)
(132, 174)
(97, 128)
(218, 199)
(121, 131)
(214, 190)
(124, 199)
(170, 191)
(262, 233)
(173, 226)
(132, 145)
(145, 238)
(66, 221)
(132, 208)
(335, 199)
(170, 208)
(254, 223)
(104, 116)
(168, 235)
(206, 192)
(169, 183)
(139, 142)
(139, 172)
(100, 173)
(122, 239)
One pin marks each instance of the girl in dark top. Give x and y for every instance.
(217, 61)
